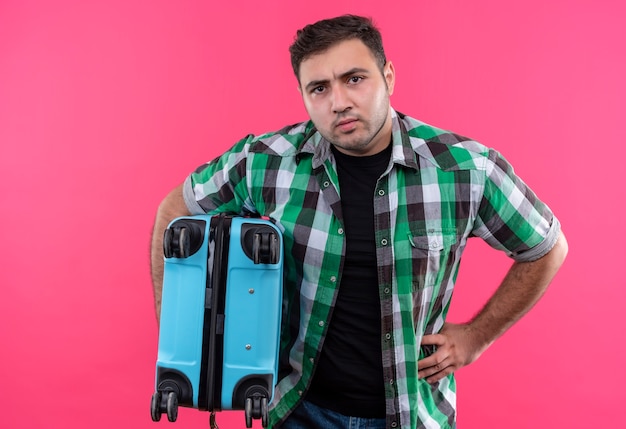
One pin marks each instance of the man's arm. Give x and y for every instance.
(172, 206)
(460, 345)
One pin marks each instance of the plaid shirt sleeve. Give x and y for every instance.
(510, 217)
(220, 186)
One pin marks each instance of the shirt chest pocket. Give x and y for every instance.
(432, 254)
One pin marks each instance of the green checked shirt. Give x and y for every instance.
(439, 190)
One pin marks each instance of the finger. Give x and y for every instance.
(449, 369)
(433, 339)
(436, 372)
(432, 364)
(438, 356)
(427, 360)
(431, 370)
(440, 375)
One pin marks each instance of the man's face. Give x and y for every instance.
(347, 97)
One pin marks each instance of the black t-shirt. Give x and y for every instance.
(349, 376)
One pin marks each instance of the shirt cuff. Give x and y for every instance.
(544, 247)
(190, 198)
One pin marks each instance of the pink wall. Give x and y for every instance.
(106, 105)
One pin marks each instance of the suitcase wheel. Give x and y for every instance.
(260, 243)
(155, 407)
(264, 412)
(248, 411)
(166, 401)
(172, 406)
(265, 248)
(256, 407)
(183, 238)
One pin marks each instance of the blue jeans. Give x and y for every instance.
(310, 416)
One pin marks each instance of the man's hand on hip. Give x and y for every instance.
(455, 348)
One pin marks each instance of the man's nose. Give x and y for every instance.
(340, 99)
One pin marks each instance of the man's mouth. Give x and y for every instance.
(346, 124)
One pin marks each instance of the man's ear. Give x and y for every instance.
(389, 73)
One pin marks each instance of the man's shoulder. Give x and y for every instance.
(284, 142)
(446, 149)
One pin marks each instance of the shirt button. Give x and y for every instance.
(386, 290)
(388, 335)
(434, 245)
(340, 231)
(311, 360)
(394, 424)
(333, 279)
(383, 241)
(381, 192)
(321, 323)
(300, 392)
(326, 184)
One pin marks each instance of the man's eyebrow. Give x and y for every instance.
(315, 83)
(322, 82)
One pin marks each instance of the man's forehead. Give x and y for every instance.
(337, 60)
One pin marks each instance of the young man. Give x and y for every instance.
(376, 209)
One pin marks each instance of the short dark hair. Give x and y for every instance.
(320, 36)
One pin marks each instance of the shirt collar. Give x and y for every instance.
(402, 152)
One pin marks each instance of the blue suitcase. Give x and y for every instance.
(220, 316)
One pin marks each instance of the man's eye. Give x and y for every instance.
(355, 79)
(318, 89)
